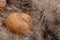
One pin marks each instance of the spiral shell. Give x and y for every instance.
(19, 23)
(2, 4)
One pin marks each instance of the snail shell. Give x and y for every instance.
(2, 4)
(19, 23)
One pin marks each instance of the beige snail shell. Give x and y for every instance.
(19, 23)
(2, 4)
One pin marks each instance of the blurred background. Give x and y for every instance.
(45, 15)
